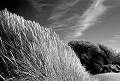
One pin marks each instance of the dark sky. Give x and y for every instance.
(94, 20)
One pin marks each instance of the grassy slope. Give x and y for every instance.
(34, 53)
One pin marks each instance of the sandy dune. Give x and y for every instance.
(108, 77)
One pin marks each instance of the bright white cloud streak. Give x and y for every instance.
(89, 18)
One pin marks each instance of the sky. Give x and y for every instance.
(94, 20)
(107, 30)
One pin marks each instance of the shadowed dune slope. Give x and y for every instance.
(30, 52)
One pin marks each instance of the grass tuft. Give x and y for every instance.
(30, 52)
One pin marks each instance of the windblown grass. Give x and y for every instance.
(30, 52)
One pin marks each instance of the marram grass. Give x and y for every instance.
(30, 52)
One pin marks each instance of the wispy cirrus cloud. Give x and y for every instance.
(90, 17)
(81, 19)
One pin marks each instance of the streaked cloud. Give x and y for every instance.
(90, 17)
(80, 20)
(116, 36)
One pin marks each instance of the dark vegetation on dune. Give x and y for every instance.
(96, 58)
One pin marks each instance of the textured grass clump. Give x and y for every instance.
(29, 52)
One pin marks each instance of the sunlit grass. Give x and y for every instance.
(30, 52)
